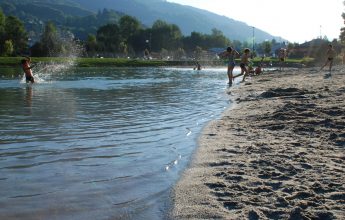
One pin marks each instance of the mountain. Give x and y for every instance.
(189, 19)
(186, 17)
(66, 14)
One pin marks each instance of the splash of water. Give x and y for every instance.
(72, 50)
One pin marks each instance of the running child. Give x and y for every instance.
(26, 65)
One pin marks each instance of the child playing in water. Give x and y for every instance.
(230, 54)
(27, 69)
(197, 66)
(244, 63)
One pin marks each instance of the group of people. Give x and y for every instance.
(230, 54)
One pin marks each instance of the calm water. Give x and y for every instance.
(101, 143)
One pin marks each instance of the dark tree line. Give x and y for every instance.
(13, 37)
(129, 38)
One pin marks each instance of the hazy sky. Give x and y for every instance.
(294, 20)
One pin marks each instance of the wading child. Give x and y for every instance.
(230, 54)
(27, 69)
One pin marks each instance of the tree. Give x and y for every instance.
(195, 39)
(123, 48)
(50, 40)
(91, 44)
(109, 38)
(165, 35)
(342, 30)
(267, 47)
(129, 26)
(198, 53)
(2, 31)
(8, 48)
(53, 43)
(179, 53)
(15, 31)
(217, 39)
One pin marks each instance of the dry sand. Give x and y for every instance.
(277, 154)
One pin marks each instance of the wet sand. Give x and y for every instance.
(277, 154)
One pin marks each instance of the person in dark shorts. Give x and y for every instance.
(244, 63)
(230, 54)
(330, 57)
(26, 65)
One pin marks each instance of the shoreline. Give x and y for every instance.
(277, 153)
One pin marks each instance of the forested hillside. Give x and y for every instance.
(85, 16)
(65, 14)
(187, 18)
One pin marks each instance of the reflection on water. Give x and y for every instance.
(101, 143)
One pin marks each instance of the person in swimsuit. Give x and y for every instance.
(27, 69)
(330, 56)
(197, 66)
(230, 54)
(244, 64)
(282, 57)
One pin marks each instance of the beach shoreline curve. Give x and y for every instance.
(278, 153)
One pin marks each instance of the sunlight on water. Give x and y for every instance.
(101, 142)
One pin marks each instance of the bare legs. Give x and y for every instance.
(330, 62)
(244, 71)
(230, 75)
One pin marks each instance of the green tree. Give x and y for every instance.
(109, 38)
(15, 31)
(165, 35)
(196, 39)
(267, 47)
(342, 30)
(8, 48)
(50, 40)
(2, 31)
(129, 26)
(123, 49)
(198, 52)
(217, 39)
(91, 44)
(179, 53)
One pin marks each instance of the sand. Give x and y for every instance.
(278, 153)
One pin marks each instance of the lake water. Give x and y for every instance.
(101, 143)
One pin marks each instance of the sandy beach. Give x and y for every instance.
(278, 153)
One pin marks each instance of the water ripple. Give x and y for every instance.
(119, 136)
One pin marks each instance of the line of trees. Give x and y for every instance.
(129, 38)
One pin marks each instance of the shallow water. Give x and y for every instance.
(101, 143)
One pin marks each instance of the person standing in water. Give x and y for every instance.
(230, 54)
(197, 66)
(26, 65)
(330, 56)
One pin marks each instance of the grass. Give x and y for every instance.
(10, 66)
(84, 62)
(122, 62)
